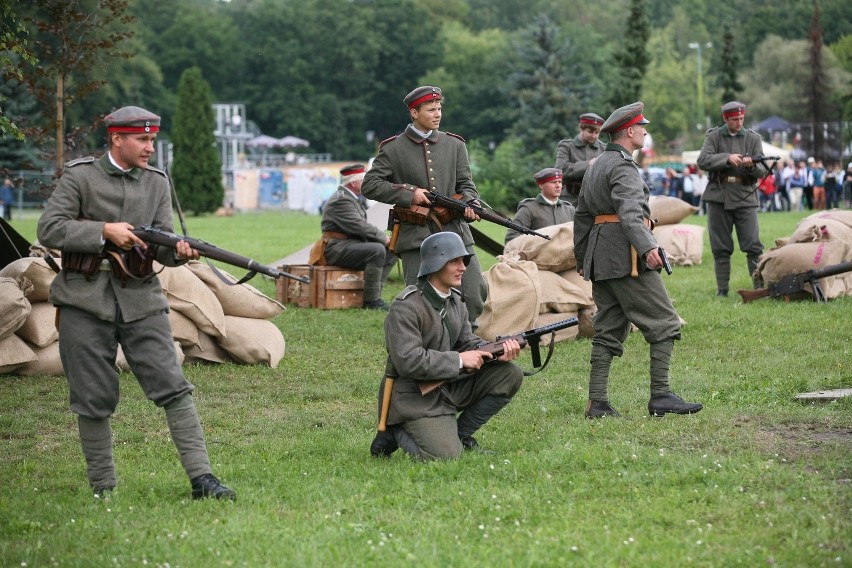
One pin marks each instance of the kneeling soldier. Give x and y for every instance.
(429, 338)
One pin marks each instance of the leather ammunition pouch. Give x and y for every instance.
(136, 263)
(84, 263)
(419, 215)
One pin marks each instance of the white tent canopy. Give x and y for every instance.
(768, 150)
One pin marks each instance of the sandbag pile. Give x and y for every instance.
(211, 321)
(535, 283)
(684, 243)
(819, 240)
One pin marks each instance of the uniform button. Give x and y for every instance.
(431, 179)
(434, 188)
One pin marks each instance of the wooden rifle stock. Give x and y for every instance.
(531, 337)
(156, 236)
(794, 284)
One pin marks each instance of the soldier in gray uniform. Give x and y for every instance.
(429, 338)
(731, 193)
(352, 241)
(616, 250)
(421, 159)
(545, 209)
(99, 201)
(574, 156)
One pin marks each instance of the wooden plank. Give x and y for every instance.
(823, 395)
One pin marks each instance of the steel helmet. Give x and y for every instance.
(439, 249)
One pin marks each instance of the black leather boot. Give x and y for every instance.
(599, 409)
(208, 486)
(660, 404)
(384, 444)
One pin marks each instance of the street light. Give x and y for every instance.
(700, 83)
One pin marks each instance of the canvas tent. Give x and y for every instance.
(768, 150)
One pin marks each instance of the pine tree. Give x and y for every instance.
(633, 59)
(196, 170)
(729, 66)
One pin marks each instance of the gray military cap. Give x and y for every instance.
(421, 95)
(733, 109)
(624, 117)
(547, 174)
(591, 119)
(132, 119)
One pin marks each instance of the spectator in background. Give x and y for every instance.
(781, 185)
(699, 184)
(7, 198)
(766, 187)
(846, 199)
(689, 184)
(831, 185)
(796, 185)
(808, 188)
(675, 183)
(818, 177)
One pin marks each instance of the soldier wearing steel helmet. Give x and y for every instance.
(429, 338)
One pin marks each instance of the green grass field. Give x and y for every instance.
(755, 479)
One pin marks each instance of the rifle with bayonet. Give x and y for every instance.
(793, 285)
(156, 236)
(531, 337)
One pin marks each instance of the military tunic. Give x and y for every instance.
(99, 312)
(364, 249)
(572, 157)
(535, 213)
(613, 185)
(440, 164)
(423, 347)
(732, 199)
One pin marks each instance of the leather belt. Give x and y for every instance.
(105, 265)
(608, 218)
(733, 179)
(335, 235)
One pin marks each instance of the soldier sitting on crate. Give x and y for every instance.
(350, 241)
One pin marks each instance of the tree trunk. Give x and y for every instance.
(60, 122)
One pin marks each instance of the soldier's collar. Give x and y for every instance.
(541, 199)
(112, 169)
(415, 136)
(727, 132)
(579, 143)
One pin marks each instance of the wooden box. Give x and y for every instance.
(335, 287)
(289, 291)
(331, 287)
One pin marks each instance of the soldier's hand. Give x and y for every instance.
(735, 159)
(185, 251)
(747, 162)
(420, 197)
(652, 258)
(474, 360)
(121, 235)
(511, 349)
(470, 215)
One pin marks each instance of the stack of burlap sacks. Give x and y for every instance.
(211, 321)
(535, 281)
(820, 240)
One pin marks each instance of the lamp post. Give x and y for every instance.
(699, 84)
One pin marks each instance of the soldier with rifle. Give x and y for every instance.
(98, 203)
(729, 156)
(429, 338)
(408, 167)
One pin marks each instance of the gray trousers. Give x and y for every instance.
(720, 224)
(373, 258)
(474, 287)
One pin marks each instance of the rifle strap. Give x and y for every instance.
(546, 359)
(249, 275)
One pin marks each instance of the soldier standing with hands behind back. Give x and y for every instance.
(731, 193)
(616, 250)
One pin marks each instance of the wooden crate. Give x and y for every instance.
(336, 287)
(331, 287)
(289, 291)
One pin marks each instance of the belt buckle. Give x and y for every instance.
(105, 266)
(732, 179)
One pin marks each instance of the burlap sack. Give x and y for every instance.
(514, 294)
(190, 296)
(796, 258)
(184, 330)
(669, 210)
(122, 366)
(14, 306)
(566, 334)
(842, 215)
(47, 362)
(14, 352)
(252, 341)
(561, 294)
(555, 255)
(242, 300)
(684, 243)
(815, 229)
(36, 271)
(586, 327)
(39, 329)
(207, 351)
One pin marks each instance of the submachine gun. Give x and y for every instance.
(794, 284)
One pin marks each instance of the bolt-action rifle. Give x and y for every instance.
(440, 200)
(794, 284)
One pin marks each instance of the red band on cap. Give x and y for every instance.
(423, 99)
(549, 178)
(133, 129)
(591, 121)
(629, 123)
(732, 113)
(352, 171)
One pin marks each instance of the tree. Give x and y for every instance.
(729, 63)
(196, 170)
(632, 60)
(817, 94)
(14, 55)
(70, 37)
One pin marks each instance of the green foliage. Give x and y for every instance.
(632, 59)
(504, 177)
(196, 167)
(14, 55)
(729, 68)
(756, 478)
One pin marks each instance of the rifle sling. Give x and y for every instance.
(248, 276)
(546, 359)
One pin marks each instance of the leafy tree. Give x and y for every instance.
(503, 177)
(14, 53)
(632, 60)
(729, 66)
(817, 94)
(196, 170)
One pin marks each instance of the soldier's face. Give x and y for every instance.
(589, 135)
(427, 116)
(450, 276)
(551, 189)
(735, 123)
(133, 150)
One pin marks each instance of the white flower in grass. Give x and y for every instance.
(574, 549)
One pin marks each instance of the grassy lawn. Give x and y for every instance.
(756, 478)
